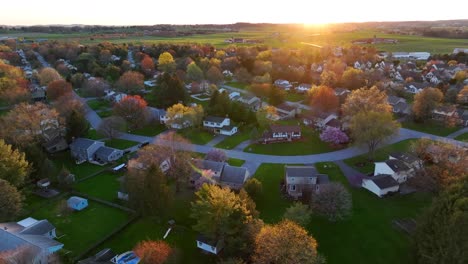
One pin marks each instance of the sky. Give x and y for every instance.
(151, 12)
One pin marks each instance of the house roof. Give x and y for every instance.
(334, 123)
(393, 100)
(10, 241)
(209, 165)
(83, 143)
(102, 257)
(400, 107)
(405, 157)
(397, 165)
(286, 107)
(300, 171)
(39, 228)
(284, 128)
(340, 91)
(75, 200)
(322, 179)
(233, 174)
(215, 119)
(384, 181)
(105, 151)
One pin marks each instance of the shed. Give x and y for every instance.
(208, 245)
(77, 203)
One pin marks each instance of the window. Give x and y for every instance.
(199, 243)
(293, 187)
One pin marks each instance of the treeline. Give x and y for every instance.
(444, 33)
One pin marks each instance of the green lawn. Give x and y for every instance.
(105, 113)
(150, 130)
(120, 143)
(4, 111)
(103, 186)
(431, 127)
(196, 136)
(92, 134)
(232, 141)
(79, 230)
(238, 85)
(362, 163)
(309, 144)
(463, 137)
(235, 162)
(294, 97)
(366, 237)
(80, 170)
(98, 104)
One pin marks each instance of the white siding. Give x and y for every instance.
(382, 168)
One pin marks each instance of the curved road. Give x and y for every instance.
(404, 134)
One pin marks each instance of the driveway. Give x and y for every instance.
(216, 140)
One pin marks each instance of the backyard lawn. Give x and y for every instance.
(97, 104)
(120, 143)
(238, 85)
(234, 140)
(196, 136)
(463, 137)
(309, 144)
(364, 165)
(358, 238)
(82, 170)
(105, 113)
(294, 97)
(92, 134)
(150, 130)
(79, 230)
(431, 127)
(235, 162)
(104, 186)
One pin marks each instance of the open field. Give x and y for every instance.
(358, 237)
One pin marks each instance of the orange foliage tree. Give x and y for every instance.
(133, 110)
(323, 98)
(131, 82)
(154, 252)
(58, 88)
(147, 65)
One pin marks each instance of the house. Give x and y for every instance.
(83, 149)
(77, 203)
(458, 50)
(342, 92)
(395, 168)
(35, 234)
(324, 120)
(233, 177)
(128, 257)
(286, 111)
(102, 257)
(283, 84)
(410, 160)
(445, 111)
(281, 133)
(55, 145)
(381, 185)
(463, 117)
(114, 96)
(302, 179)
(251, 102)
(106, 154)
(399, 105)
(209, 245)
(303, 87)
(219, 125)
(415, 88)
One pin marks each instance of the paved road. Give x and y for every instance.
(350, 173)
(458, 133)
(41, 59)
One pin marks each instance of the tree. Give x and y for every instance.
(19, 255)
(462, 97)
(323, 98)
(10, 201)
(366, 100)
(441, 236)
(285, 243)
(48, 75)
(95, 87)
(334, 135)
(277, 96)
(153, 252)
(133, 110)
(243, 75)
(425, 102)
(13, 87)
(147, 65)
(68, 103)
(253, 187)
(15, 168)
(372, 128)
(214, 75)
(332, 201)
(111, 127)
(216, 155)
(77, 125)
(194, 73)
(328, 78)
(181, 116)
(112, 73)
(353, 78)
(171, 90)
(166, 62)
(298, 213)
(28, 124)
(58, 88)
(265, 116)
(131, 82)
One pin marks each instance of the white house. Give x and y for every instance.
(396, 168)
(381, 184)
(283, 84)
(211, 246)
(303, 87)
(219, 125)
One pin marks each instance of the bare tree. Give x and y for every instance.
(112, 126)
(216, 155)
(21, 255)
(333, 201)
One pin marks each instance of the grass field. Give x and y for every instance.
(98, 104)
(196, 136)
(150, 130)
(120, 143)
(92, 134)
(81, 229)
(431, 127)
(358, 238)
(64, 159)
(365, 166)
(234, 140)
(104, 113)
(104, 186)
(309, 144)
(235, 162)
(463, 137)
(238, 85)
(294, 97)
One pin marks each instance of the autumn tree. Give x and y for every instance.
(133, 110)
(68, 103)
(48, 75)
(58, 88)
(285, 243)
(194, 73)
(333, 201)
(425, 102)
(10, 201)
(111, 127)
(95, 87)
(265, 116)
(19, 255)
(153, 252)
(299, 213)
(171, 90)
(131, 82)
(13, 87)
(366, 100)
(441, 236)
(328, 78)
(147, 65)
(353, 78)
(253, 187)
(181, 116)
(372, 128)
(214, 75)
(216, 155)
(462, 97)
(323, 99)
(243, 75)
(277, 96)
(15, 168)
(166, 62)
